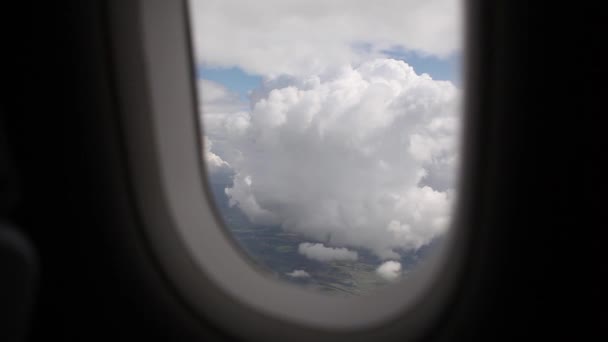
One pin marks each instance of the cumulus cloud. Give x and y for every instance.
(224, 115)
(296, 37)
(389, 270)
(216, 102)
(299, 274)
(317, 251)
(214, 162)
(364, 157)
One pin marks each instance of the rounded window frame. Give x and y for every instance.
(156, 90)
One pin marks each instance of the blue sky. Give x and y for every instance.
(446, 69)
(234, 79)
(240, 82)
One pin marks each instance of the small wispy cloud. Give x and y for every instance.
(299, 274)
(317, 251)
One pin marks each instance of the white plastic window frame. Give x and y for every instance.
(155, 81)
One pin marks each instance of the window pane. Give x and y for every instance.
(331, 133)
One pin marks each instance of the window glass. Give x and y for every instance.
(330, 133)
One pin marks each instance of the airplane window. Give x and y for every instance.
(330, 133)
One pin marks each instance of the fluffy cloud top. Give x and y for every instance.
(317, 251)
(299, 274)
(389, 270)
(363, 157)
(296, 37)
(224, 115)
(216, 102)
(214, 162)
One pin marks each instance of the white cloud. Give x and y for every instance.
(389, 270)
(224, 114)
(299, 274)
(317, 251)
(296, 37)
(214, 162)
(215, 103)
(364, 157)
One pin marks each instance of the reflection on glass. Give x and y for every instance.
(331, 132)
